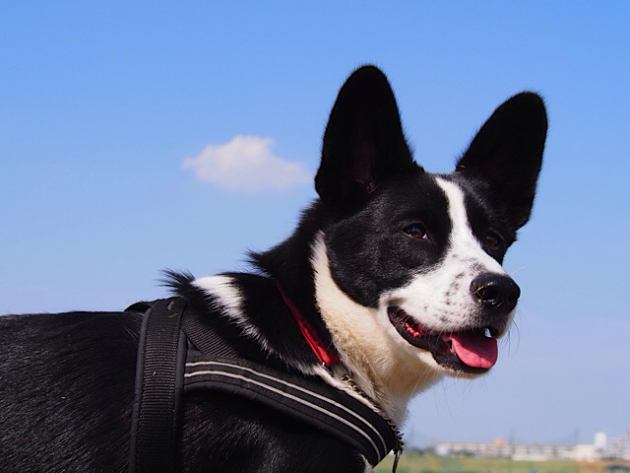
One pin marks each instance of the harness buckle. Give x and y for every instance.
(397, 453)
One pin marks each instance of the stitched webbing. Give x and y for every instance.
(213, 364)
(159, 378)
(305, 398)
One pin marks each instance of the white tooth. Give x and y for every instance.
(487, 333)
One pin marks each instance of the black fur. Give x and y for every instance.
(506, 155)
(66, 380)
(364, 143)
(66, 391)
(369, 251)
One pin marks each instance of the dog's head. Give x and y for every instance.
(421, 252)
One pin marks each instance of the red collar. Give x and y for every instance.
(326, 356)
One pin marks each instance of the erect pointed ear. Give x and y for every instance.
(364, 142)
(507, 154)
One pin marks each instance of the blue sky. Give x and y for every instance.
(102, 104)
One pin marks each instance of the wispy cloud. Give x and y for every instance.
(246, 163)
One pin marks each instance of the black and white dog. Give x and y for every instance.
(396, 270)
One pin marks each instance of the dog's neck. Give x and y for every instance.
(385, 372)
(381, 366)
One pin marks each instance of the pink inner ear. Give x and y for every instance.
(363, 164)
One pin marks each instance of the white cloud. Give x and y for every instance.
(246, 163)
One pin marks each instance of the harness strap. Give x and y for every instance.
(303, 398)
(183, 353)
(203, 336)
(159, 379)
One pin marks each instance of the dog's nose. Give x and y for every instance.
(495, 291)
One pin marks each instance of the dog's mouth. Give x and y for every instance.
(471, 351)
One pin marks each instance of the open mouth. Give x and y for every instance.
(471, 351)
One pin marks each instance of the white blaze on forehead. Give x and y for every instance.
(462, 240)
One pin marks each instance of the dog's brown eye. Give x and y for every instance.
(493, 240)
(416, 230)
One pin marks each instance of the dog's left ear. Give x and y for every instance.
(507, 154)
(363, 143)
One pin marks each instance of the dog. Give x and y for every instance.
(398, 271)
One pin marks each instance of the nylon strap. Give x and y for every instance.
(178, 353)
(159, 380)
(306, 399)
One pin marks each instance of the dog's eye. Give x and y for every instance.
(416, 230)
(493, 240)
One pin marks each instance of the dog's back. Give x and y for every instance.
(66, 397)
(66, 379)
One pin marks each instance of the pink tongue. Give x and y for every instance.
(474, 349)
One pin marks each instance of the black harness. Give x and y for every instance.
(178, 354)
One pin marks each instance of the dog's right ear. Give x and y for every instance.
(364, 142)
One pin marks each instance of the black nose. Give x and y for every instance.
(495, 291)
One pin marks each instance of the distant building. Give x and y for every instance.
(619, 447)
(600, 449)
(601, 440)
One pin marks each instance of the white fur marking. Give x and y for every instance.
(384, 366)
(227, 295)
(368, 467)
(462, 238)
